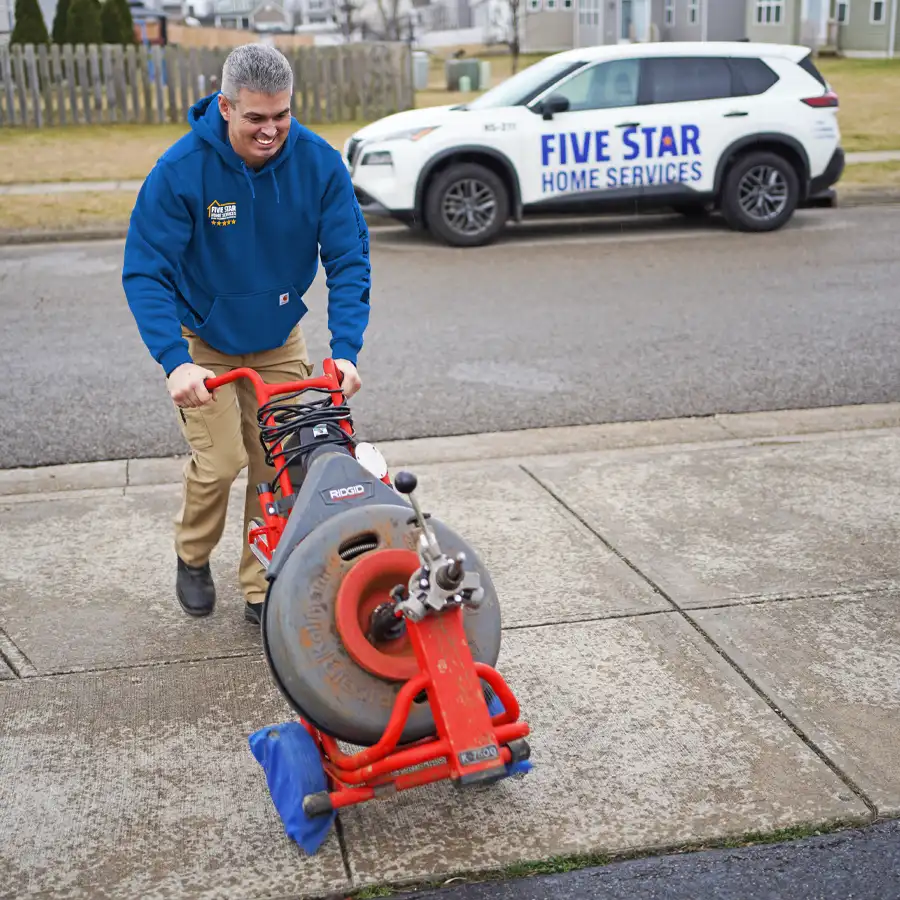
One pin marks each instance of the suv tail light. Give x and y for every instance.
(824, 100)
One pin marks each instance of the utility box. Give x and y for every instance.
(485, 76)
(457, 68)
(421, 68)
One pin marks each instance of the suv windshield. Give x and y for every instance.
(524, 85)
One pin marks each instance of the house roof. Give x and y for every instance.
(271, 9)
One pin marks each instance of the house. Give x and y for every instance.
(6, 20)
(790, 22)
(851, 27)
(548, 25)
(253, 15)
(867, 28)
(701, 20)
(621, 21)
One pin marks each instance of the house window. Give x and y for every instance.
(534, 5)
(670, 12)
(693, 12)
(588, 12)
(876, 12)
(769, 12)
(843, 12)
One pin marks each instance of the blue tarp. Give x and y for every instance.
(290, 758)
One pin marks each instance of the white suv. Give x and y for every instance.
(749, 129)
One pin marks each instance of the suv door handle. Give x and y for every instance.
(628, 125)
(734, 115)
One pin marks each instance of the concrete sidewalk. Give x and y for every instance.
(700, 625)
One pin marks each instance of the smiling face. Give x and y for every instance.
(258, 124)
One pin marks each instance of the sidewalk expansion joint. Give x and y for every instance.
(751, 683)
(761, 599)
(342, 844)
(150, 664)
(17, 661)
(590, 620)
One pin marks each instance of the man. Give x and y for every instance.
(224, 242)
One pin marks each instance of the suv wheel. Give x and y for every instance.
(467, 205)
(760, 193)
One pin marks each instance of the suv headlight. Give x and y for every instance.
(377, 158)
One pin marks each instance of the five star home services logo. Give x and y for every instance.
(222, 213)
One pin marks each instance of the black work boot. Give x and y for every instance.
(253, 612)
(195, 589)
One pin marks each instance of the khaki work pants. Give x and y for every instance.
(224, 438)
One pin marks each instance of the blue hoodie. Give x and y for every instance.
(230, 252)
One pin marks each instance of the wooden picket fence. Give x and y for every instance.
(81, 85)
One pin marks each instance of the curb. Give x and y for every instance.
(861, 157)
(868, 196)
(732, 429)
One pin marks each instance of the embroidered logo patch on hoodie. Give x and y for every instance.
(222, 213)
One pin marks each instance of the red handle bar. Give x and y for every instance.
(330, 381)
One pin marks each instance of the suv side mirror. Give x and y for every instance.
(555, 103)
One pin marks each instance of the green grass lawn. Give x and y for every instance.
(869, 114)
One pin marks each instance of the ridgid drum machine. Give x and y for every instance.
(381, 625)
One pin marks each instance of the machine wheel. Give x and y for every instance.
(320, 610)
(760, 192)
(467, 205)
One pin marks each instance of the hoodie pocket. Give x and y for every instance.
(238, 324)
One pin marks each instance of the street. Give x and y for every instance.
(856, 863)
(572, 323)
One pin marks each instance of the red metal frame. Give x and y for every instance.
(473, 745)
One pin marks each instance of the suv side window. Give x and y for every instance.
(751, 76)
(682, 79)
(607, 85)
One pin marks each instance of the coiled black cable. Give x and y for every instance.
(289, 417)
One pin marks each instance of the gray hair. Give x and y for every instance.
(258, 68)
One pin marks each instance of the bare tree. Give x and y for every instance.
(344, 11)
(391, 19)
(513, 41)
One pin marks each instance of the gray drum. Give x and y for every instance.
(309, 662)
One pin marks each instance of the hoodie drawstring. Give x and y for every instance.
(275, 182)
(250, 182)
(249, 179)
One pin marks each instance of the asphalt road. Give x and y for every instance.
(559, 324)
(862, 864)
